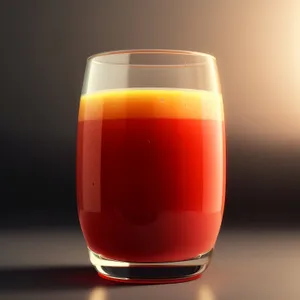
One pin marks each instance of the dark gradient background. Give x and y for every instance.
(44, 46)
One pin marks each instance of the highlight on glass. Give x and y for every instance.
(151, 164)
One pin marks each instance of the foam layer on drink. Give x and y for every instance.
(137, 104)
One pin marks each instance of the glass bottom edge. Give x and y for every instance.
(160, 272)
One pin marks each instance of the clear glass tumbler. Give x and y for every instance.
(151, 164)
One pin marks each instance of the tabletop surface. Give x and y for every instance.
(53, 264)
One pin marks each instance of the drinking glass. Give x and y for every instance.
(151, 164)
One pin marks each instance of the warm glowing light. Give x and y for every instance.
(206, 293)
(98, 293)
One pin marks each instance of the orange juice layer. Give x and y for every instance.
(151, 173)
(170, 104)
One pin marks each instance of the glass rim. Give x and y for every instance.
(190, 53)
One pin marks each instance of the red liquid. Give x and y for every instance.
(150, 185)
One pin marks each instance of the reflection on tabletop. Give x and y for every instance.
(247, 265)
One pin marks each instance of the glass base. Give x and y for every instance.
(160, 272)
